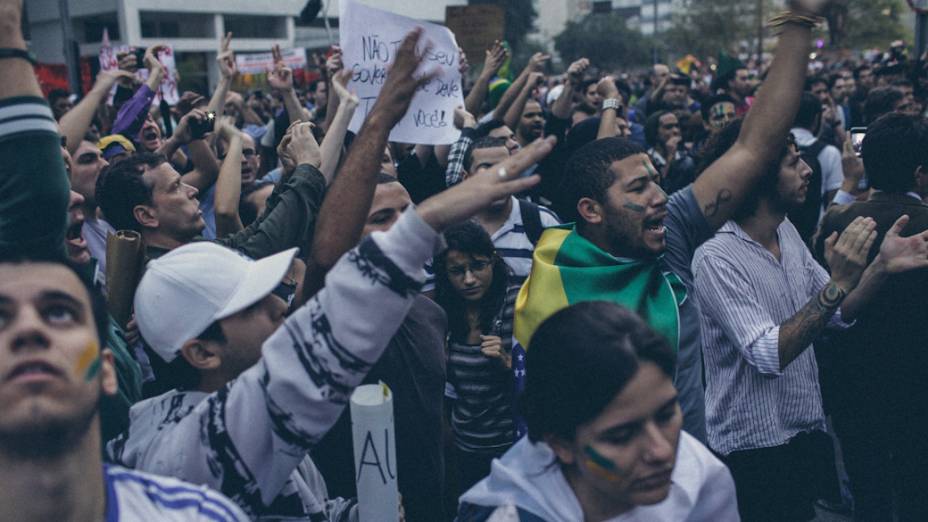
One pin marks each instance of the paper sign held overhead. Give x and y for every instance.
(369, 39)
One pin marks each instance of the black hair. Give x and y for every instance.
(588, 173)
(581, 358)
(471, 239)
(722, 142)
(56, 94)
(652, 126)
(485, 128)
(585, 84)
(486, 142)
(880, 101)
(101, 315)
(121, 187)
(809, 109)
(894, 147)
(589, 111)
(814, 80)
(861, 68)
(706, 106)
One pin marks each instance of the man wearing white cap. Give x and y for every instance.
(260, 390)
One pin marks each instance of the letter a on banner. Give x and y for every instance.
(369, 39)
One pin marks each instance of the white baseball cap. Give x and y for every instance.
(186, 290)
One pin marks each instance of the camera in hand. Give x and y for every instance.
(139, 57)
(200, 126)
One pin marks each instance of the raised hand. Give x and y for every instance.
(226, 58)
(463, 66)
(901, 254)
(853, 167)
(401, 84)
(477, 192)
(183, 132)
(106, 79)
(340, 86)
(847, 255)
(576, 70)
(607, 89)
(537, 62)
(151, 58)
(496, 56)
(303, 147)
(333, 63)
(280, 78)
(464, 119)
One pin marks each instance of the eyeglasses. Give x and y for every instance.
(475, 267)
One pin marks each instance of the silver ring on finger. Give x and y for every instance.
(502, 173)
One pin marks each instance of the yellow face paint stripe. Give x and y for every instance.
(88, 364)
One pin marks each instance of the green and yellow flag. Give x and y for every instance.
(568, 269)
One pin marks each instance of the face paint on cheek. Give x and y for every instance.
(88, 364)
(633, 207)
(600, 465)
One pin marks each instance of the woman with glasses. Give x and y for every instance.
(472, 285)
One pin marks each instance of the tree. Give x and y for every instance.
(705, 27)
(860, 24)
(605, 40)
(520, 19)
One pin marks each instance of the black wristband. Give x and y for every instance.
(9, 52)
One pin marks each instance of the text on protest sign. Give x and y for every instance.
(369, 40)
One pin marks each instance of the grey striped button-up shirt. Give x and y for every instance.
(745, 294)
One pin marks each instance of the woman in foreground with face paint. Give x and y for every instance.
(604, 433)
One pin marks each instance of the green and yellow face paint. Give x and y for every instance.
(600, 465)
(89, 361)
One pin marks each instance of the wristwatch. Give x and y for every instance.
(612, 103)
(831, 296)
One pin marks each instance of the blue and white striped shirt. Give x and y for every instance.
(139, 497)
(513, 244)
(744, 295)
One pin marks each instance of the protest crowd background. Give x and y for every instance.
(390, 280)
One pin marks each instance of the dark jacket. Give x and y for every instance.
(883, 357)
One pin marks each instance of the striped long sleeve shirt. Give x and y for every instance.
(744, 295)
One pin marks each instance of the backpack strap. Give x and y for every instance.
(531, 220)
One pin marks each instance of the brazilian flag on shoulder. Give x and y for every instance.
(568, 269)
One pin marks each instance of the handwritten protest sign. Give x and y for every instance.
(260, 63)
(369, 40)
(168, 89)
(374, 453)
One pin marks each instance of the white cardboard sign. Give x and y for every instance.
(369, 39)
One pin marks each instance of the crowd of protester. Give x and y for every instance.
(690, 294)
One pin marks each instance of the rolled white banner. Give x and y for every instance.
(375, 453)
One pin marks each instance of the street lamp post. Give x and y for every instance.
(70, 48)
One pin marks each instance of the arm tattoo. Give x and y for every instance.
(798, 332)
(712, 209)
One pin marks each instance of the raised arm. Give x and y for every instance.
(34, 188)
(335, 136)
(229, 183)
(608, 90)
(345, 208)
(721, 189)
(496, 55)
(74, 123)
(535, 64)
(225, 58)
(518, 106)
(281, 80)
(564, 102)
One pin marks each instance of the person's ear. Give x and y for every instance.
(108, 382)
(921, 179)
(562, 449)
(590, 211)
(145, 216)
(202, 355)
